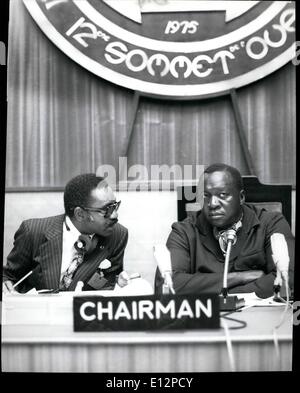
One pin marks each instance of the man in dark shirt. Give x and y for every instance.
(197, 251)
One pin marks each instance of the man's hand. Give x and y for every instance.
(242, 278)
(8, 287)
(123, 279)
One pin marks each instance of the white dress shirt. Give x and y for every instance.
(70, 235)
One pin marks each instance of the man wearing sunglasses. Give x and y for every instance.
(86, 244)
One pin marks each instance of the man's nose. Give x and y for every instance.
(214, 201)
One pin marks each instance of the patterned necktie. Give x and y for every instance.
(81, 245)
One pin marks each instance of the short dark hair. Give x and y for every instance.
(235, 174)
(78, 191)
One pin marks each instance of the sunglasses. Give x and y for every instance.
(106, 211)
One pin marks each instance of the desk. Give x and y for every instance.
(52, 346)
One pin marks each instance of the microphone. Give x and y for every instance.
(280, 255)
(163, 259)
(229, 237)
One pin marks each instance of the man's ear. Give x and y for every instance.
(79, 214)
(242, 197)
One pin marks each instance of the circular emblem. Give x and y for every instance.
(172, 48)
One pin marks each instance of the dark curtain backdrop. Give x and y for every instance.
(63, 120)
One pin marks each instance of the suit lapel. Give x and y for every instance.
(249, 221)
(51, 253)
(236, 249)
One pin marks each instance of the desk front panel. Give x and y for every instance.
(55, 347)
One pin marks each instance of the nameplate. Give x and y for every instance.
(132, 313)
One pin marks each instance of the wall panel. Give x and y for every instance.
(63, 120)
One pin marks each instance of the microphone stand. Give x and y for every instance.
(163, 259)
(277, 287)
(226, 264)
(229, 303)
(281, 276)
(167, 287)
(280, 255)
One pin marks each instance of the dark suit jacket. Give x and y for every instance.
(38, 247)
(198, 263)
